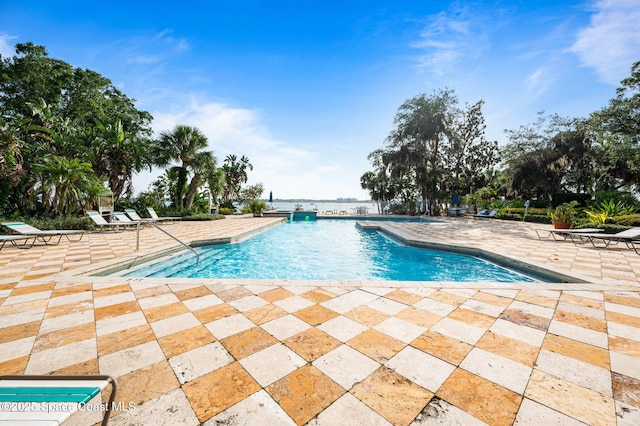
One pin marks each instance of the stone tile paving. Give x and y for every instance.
(335, 352)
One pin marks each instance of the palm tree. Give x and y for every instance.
(182, 144)
(235, 174)
(66, 183)
(201, 164)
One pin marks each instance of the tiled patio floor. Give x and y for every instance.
(231, 352)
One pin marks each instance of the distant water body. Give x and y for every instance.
(328, 206)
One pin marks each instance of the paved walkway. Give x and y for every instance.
(334, 352)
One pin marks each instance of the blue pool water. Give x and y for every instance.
(326, 250)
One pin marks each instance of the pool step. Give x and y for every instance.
(185, 262)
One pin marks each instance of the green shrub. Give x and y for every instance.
(255, 207)
(628, 221)
(226, 210)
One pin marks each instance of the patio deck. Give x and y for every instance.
(334, 352)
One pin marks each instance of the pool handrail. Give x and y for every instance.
(170, 235)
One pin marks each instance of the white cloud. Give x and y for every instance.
(536, 83)
(611, 43)
(7, 48)
(449, 37)
(288, 171)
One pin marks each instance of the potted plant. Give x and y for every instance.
(563, 215)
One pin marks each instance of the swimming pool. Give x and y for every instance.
(326, 250)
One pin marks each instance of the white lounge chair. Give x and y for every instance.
(120, 217)
(631, 238)
(564, 233)
(155, 216)
(485, 215)
(134, 216)
(60, 398)
(101, 222)
(13, 239)
(44, 236)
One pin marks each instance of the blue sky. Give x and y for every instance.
(307, 90)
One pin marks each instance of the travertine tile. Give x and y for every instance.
(186, 340)
(376, 345)
(580, 334)
(260, 405)
(481, 398)
(155, 411)
(532, 413)
(315, 314)
(348, 407)
(276, 294)
(175, 324)
(520, 332)
(418, 317)
(440, 412)
(200, 361)
(503, 371)
(64, 337)
(124, 339)
(285, 327)
(568, 398)
(19, 331)
(144, 384)
(215, 392)
(366, 316)
(131, 359)
(345, 366)
(507, 347)
(304, 393)
(421, 368)
(158, 313)
(16, 348)
(446, 348)
(271, 364)
(402, 330)
(625, 364)
(578, 350)
(229, 326)
(458, 330)
(54, 359)
(392, 396)
(311, 344)
(250, 341)
(216, 312)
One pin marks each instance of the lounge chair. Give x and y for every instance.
(44, 236)
(122, 218)
(631, 238)
(134, 216)
(479, 215)
(54, 399)
(100, 221)
(155, 216)
(564, 233)
(13, 239)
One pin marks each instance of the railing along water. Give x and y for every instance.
(172, 236)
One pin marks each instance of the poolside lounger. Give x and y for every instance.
(564, 233)
(103, 224)
(52, 400)
(44, 236)
(134, 216)
(13, 239)
(122, 218)
(485, 215)
(155, 216)
(631, 238)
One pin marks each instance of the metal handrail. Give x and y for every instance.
(157, 227)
